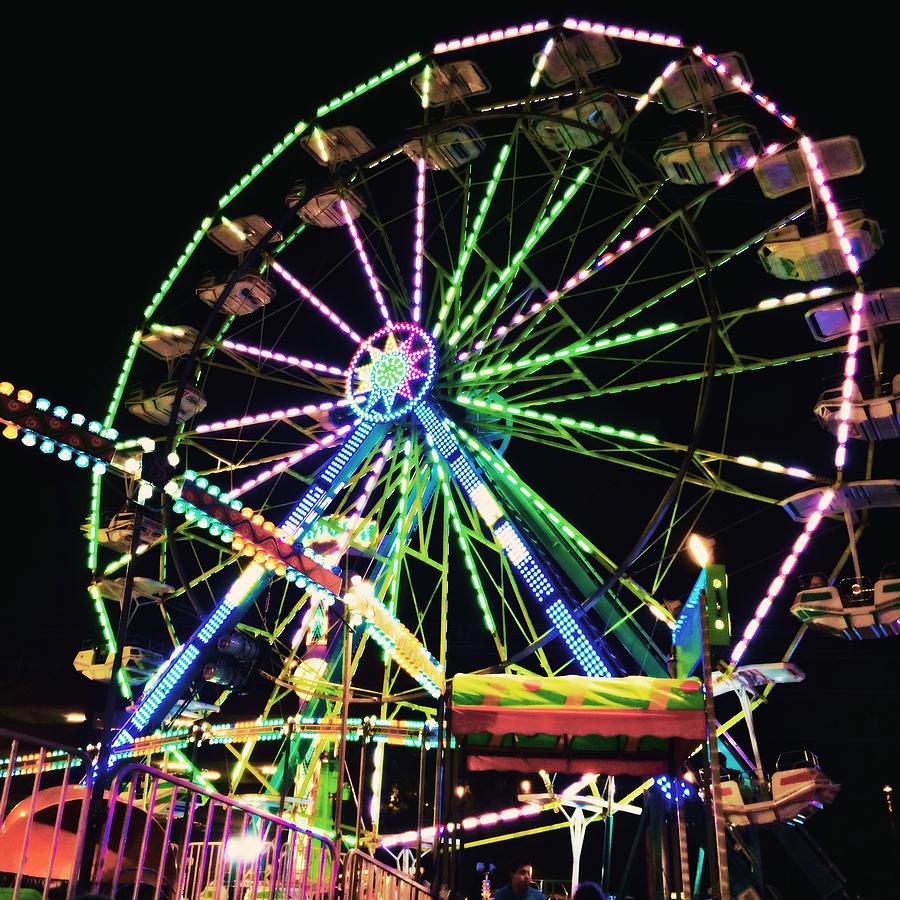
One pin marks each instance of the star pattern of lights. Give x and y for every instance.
(391, 372)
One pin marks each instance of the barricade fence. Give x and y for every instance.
(195, 844)
(365, 878)
(43, 816)
(155, 837)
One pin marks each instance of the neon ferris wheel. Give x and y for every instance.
(468, 345)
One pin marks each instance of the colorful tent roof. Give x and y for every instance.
(619, 726)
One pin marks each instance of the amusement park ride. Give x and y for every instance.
(325, 445)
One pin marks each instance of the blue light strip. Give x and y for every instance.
(691, 604)
(590, 655)
(159, 694)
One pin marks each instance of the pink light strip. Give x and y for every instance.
(777, 584)
(307, 364)
(655, 86)
(625, 33)
(290, 413)
(840, 454)
(364, 259)
(420, 241)
(485, 820)
(500, 34)
(825, 195)
(322, 307)
(840, 457)
(744, 86)
(598, 265)
(291, 460)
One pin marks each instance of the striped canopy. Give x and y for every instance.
(617, 726)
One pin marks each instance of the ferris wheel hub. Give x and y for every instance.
(392, 371)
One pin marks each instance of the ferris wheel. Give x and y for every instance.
(464, 360)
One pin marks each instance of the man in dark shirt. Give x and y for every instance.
(519, 887)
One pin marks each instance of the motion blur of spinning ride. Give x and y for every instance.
(460, 364)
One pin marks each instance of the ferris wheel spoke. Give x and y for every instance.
(152, 705)
(418, 242)
(603, 259)
(592, 655)
(364, 262)
(493, 353)
(565, 427)
(315, 302)
(584, 564)
(274, 356)
(512, 370)
(755, 366)
(499, 287)
(471, 239)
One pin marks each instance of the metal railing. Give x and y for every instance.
(43, 813)
(365, 878)
(199, 845)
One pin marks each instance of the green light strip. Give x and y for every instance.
(567, 421)
(469, 245)
(534, 321)
(365, 86)
(426, 86)
(263, 164)
(700, 273)
(503, 469)
(583, 348)
(695, 376)
(528, 245)
(576, 350)
(464, 545)
(289, 239)
(629, 435)
(175, 271)
(113, 408)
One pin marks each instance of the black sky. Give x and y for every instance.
(123, 129)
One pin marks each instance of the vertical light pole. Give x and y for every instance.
(720, 886)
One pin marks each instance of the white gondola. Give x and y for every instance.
(785, 254)
(117, 533)
(784, 172)
(450, 82)
(593, 120)
(832, 320)
(872, 419)
(238, 236)
(249, 293)
(731, 145)
(157, 408)
(191, 712)
(325, 211)
(144, 590)
(337, 145)
(798, 789)
(854, 496)
(169, 342)
(448, 149)
(576, 55)
(138, 663)
(854, 608)
(750, 678)
(694, 81)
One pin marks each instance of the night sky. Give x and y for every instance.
(121, 137)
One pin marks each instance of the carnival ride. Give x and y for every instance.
(505, 280)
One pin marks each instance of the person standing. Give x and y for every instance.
(519, 887)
